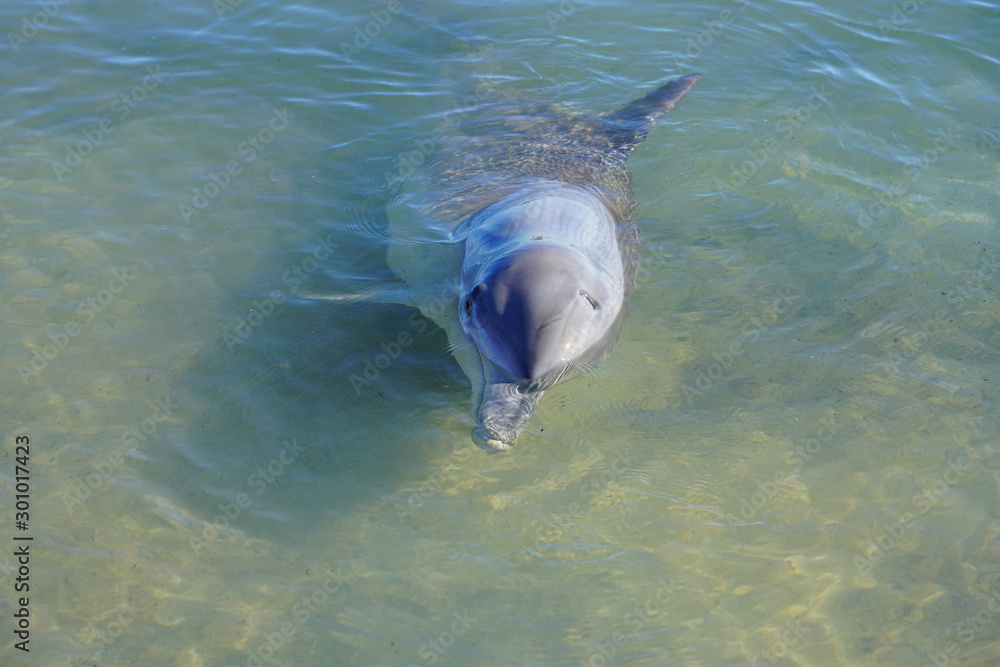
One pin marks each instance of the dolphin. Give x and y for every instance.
(520, 239)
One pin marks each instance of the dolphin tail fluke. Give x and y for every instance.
(629, 125)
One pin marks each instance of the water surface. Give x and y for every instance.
(791, 457)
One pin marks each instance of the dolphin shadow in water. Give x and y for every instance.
(520, 240)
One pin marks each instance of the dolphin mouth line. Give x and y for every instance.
(505, 406)
(503, 415)
(491, 444)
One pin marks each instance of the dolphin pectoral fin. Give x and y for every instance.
(503, 414)
(397, 293)
(628, 126)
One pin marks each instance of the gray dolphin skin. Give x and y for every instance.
(530, 205)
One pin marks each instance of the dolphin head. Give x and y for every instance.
(542, 298)
(537, 315)
(537, 311)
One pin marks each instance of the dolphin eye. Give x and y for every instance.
(593, 304)
(476, 291)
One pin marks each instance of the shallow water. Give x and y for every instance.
(791, 457)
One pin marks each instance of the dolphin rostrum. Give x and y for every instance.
(536, 202)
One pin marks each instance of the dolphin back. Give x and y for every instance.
(629, 126)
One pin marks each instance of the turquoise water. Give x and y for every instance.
(791, 457)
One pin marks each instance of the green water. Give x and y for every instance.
(791, 457)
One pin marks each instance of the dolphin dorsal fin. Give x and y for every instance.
(628, 126)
